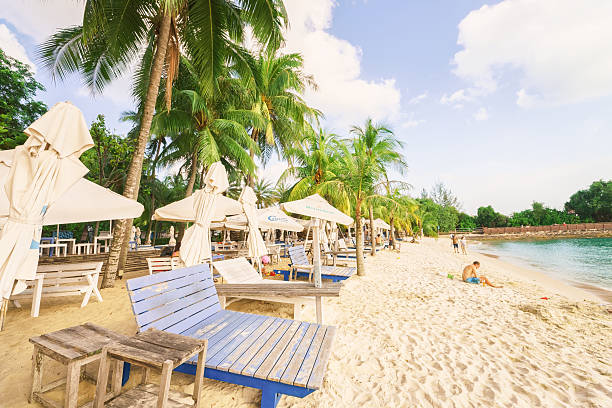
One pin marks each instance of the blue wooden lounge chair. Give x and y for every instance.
(278, 356)
(300, 266)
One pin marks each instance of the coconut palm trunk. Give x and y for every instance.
(372, 235)
(392, 231)
(132, 183)
(359, 241)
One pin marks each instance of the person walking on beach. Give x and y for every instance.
(469, 275)
(455, 243)
(463, 243)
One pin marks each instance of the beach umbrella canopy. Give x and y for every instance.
(270, 218)
(379, 223)
(317, 207)
(195, 247)
(255, 243)
(184, 210)
(84, 201)
(41, 171)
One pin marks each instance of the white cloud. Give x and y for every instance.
(343, 95)
(12, 47)
(412, 122)
(455, 98)
(481, 114)
(39, 19)
(560, 49)
(418, 99)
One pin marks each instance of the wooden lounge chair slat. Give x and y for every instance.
(305, 370)
(297, 358)
(318, 369)
(266, 348)
(211, 324)
(175, 290)
(233, 350)
(257, 345)
(272, 357)
(225, 337)
(283, 361)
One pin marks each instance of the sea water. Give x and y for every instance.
(583, 260)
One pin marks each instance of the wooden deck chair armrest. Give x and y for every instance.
(278, 290)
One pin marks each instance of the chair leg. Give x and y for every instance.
(199, 375)
(38, 286)
(100, 394)
(37, 373)
(164, 384)
(73, 377)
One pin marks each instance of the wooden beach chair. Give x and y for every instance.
(301, 266)
(162, 264)
(239, 270)
(278, 356)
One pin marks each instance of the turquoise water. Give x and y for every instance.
(586, 260)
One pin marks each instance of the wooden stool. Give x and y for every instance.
(152, 349)
(73, 347)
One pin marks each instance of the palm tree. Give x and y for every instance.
(265, 192)
(275, 83)
(311, 163)
(113, 34)
(349, 186)
(378, 142)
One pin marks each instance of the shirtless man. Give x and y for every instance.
(469, 275)
(455, 243)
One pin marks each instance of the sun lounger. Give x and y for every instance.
(239, 270)
(278, 356)
(162, 264)
(301, 266)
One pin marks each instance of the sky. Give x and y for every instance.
(505, 102)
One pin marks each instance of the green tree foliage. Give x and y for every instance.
(487, 217)
(108, 160)
(466, 221)
(18, 107)
(444, 217)
(541, 215)
(594, 203)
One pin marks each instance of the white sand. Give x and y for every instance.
(408, 337)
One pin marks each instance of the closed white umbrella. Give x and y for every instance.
(380, 224)
(84, 201)
(255, 243)
(317, 207)
(43, 168)
(195, 247)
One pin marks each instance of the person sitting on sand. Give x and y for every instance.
(469, 275)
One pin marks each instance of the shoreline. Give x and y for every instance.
(576, 291)
(541, 236)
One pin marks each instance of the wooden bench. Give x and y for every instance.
(242, 278)
(162, 264)
(300, 266)
(73, 347)
(278, 356)
(62, 280)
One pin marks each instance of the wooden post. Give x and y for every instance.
(3, 309)
(197, 386)
(37, 373)
(73, 377)
(100, 394)
(164, 384)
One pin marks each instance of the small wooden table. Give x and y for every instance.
(152, 349)
(74, 347)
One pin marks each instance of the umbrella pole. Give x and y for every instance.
(3, 313)
(316, 257)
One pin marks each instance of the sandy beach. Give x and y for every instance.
(408, 336)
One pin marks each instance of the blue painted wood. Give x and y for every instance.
(148, 280)
(269, 336)
(234, 349)
(283, 361)
(146, 298)
(185, 301)
(182, 302)
(333, 278)
(211, 324)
